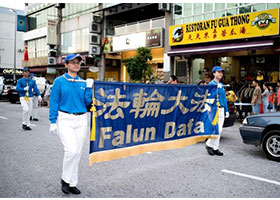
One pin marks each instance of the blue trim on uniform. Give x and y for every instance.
(222, 95)
(21, 84)
(71, 97)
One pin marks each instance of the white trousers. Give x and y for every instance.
(35, 107)
(214, 143)
(27, 108)
(72, 130)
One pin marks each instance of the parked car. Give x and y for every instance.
(263, 130)
(12, 95)
(1, 84)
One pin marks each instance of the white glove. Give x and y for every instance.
(220, 85)
(39, 98)
(26, 88)
(89, 82)
(227, 115)
(53, 129)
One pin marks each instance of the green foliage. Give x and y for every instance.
(137, 66)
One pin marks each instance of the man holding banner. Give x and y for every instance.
(68, 116)
(212, 145)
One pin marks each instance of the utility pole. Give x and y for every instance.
(15, 43)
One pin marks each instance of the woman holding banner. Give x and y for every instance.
(68, 100)
(212, 145)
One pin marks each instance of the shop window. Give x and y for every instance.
(259, 7)
(197, 18)
(197, 8)
(208, 16)
(187, 20)
(245, 9)
(233, 11)
(231, 5)
(208, 7)
(273, 5)
(181, 68)
(187, 9)
(177, 10)
(219, 14)
(219, 6)
(178, 21)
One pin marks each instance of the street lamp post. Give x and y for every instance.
(15, 43)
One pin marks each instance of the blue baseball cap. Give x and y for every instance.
(32, 74)
(217, 68)
(26, 69)
(72, 57)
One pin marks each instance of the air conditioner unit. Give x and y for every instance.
(94, 27)
(94, 50)
(164, 6)
(94, 38)
(51, 60)
(96, 19)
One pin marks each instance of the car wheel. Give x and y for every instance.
(271, 145)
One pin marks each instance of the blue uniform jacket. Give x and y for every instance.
(71, 97)
(22, 83)
(222, 95)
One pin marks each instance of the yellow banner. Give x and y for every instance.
(246, 25)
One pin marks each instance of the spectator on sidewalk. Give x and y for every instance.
(278, 97)
(271, 99)
(173, 80)
(47, 92)
(257, 97)
(265, 96)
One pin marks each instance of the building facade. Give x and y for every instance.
(242, 38)
(9, 19)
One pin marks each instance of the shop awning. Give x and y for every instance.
(208, 49)
(38, 69)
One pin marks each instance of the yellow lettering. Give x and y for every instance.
(182, 130)
(199, 127)
(137, 138)
(103, 136)
(166, 132)
(151, 130)
(118, 139)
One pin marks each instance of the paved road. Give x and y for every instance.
(31, 167)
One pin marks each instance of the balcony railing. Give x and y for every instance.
(140, 26)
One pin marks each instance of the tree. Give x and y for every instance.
(137, 66)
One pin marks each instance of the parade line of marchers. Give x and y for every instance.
(128, 121)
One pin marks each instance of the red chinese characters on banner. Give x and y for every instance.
(206, 35)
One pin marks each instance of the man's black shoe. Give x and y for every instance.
(35, 119)
(74, 190)
(30, 118)
(210, 151)
(218, 152)
(26, 127)
(65, 187)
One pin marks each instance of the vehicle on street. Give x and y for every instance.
(1, 84)
(263, 130)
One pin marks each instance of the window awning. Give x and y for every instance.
(208, 49)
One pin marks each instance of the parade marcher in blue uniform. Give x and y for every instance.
(212, 145)
(25, 87)
(69, 119)
(35, 107)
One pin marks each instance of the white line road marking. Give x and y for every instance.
(252, 177)
(3, 117)
(148, 152)
(32, 125)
